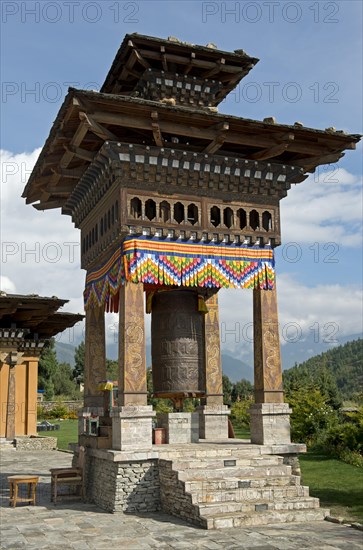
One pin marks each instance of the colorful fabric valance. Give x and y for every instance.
(166, 262)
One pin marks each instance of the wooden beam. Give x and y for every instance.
(140, 59)
(73, 173)
(97, 128)
(49, 205)
(80, 153)
(220, 138)
(158, 138)
(269, 153)
(189, 67)
(64, 189)
(177, 128)
(315, 161)
(184, 60)
(217, 68)
(163, 59)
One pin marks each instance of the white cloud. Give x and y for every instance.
(39, 250)
(327, 207)
(6, 285)
(325, 312)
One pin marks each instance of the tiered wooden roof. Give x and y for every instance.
(87, 119)
(35, 314)
(138, 53)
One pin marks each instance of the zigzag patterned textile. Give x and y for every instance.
(166, 262)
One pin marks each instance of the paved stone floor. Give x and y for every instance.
(78, 526)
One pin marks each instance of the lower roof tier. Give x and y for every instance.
(87, 119)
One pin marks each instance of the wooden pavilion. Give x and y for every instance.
(26, 323)
(175, 201)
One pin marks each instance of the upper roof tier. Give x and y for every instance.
(153, 68)
(133, 107)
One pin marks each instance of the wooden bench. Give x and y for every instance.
(15, 481)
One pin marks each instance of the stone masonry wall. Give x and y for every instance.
(121, 486)
(173, 498)
(25, 443)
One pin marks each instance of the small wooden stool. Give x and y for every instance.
(14, 482)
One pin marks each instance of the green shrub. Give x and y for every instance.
(41, 412)
(58, 411)
(239, 414)
(311, 415)
(163, 406)
(351, 457)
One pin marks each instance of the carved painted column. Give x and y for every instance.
(213, 420)
(132, 419)
(11, 408)
(132, 360)
(95, 357)
(31, 397)
(269, 415)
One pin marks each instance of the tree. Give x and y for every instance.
(311, 414)
(239, 414)
(112, 369)
(227, 389)
(79, 356)
(63, 381)
(241, 390)
(48, 365)
(55, 378)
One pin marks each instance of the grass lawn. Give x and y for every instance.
(338, 485)
(67, 433)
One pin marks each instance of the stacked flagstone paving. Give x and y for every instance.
(79, 526)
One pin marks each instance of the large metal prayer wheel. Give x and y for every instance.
(177, 345)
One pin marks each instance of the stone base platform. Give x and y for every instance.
(211, 484)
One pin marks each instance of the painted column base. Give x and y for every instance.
(180, 427)
(213, 422)
(132, 427)
(270, 423)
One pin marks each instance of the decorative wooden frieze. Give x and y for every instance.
(162, 169)
(184, 89)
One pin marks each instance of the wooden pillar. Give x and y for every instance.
(213, 414)
(132, 419)
(11, 405)
(95, 357)
(31, 397)
(132, 360)
(270, 416)
(213, 362)
(267, 358)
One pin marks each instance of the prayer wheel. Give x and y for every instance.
(177, 346)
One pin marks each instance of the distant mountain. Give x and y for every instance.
(236, 369)
(65, 353)
(344, 363)
(292, 353)
(298, 352)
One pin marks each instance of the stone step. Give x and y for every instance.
(227, 493)
(212, 464)
(257, 479)
(238, 519)
(233, 451)
(246, 472)
(244, 481)
(294, 503)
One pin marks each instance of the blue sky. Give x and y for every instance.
(310, 70)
